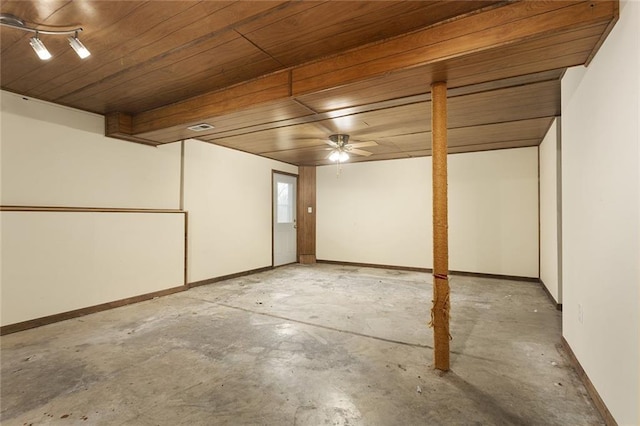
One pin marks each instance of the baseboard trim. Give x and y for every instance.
(591, 390)
(38, 322)
(228, 277)
(50, 319)
(429, 270)
(25, 325)
(375, 265)
(551, 298)
(495, 276)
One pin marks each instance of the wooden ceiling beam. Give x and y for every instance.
(495, 28)
(265, 89)
(119, 125)
(488, 29)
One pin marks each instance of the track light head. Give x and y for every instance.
(77, 45)
(38, 47)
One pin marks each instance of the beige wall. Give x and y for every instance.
(380, 212)
(493, 212)
(377, 212)
(56, 262)
(58, 156)
(549, 212)
(228, 196)
(601, 216)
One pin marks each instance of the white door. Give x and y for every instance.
(284, 219)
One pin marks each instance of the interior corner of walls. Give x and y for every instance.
(236, 238)
(549, 213)
(504, 222)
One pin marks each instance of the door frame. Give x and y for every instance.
(296, 176)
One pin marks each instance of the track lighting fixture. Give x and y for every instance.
(77, 45)
(38, 47)
(7, 20)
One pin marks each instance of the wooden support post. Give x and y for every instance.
(440, 309)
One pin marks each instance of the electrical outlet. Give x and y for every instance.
(580, 314)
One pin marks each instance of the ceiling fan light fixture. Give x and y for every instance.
(338, 156)
(79, 48)
(39, 48)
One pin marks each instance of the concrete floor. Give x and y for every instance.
(300, 345)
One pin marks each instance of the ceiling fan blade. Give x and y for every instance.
(360, 152)
(363, 144)
(331, 143)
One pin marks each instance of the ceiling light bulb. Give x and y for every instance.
(335, 155)
(77, 45)
(343, 156)
(39, 48)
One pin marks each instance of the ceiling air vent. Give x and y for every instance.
(200, 127)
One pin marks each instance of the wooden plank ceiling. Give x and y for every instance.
(276, 78)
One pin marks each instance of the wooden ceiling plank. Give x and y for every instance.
(253, 129)
(522, 130)
(463, 26)
(242, 59)
(292, 9)
(23, 72)
(283, 139)
(191, 29)
(179, 91)
(32, 14)
(241, 12)
(409, 20)
(478, 148)
(273, 87)
(101, 15)
(517, 30)
(161, 35)
(351, 25)
(494, 146)
(552, 44)
(489, 68)
(531, 101)
(489, 30)
(272, 113)
(517, 62)
(385, 113)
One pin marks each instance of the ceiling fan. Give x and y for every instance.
(341, 148)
